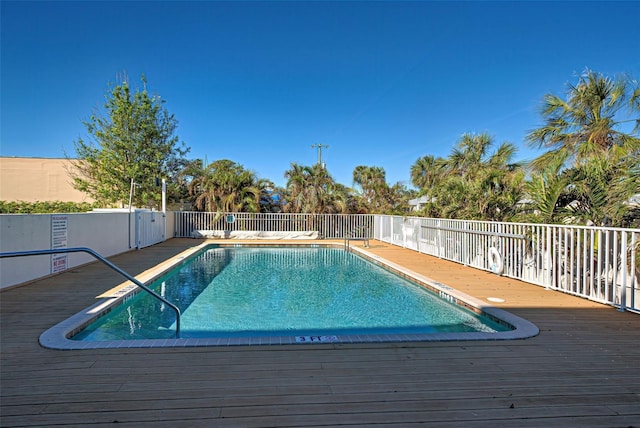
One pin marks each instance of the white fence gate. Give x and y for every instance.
(150, 228)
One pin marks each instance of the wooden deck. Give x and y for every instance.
(583, 370)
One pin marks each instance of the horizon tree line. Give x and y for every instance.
(589, 172)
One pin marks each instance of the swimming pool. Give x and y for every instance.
(248, 295)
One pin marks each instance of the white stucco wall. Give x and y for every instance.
(105, 233)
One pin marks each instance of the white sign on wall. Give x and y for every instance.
(59, 227)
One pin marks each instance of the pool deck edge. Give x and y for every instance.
(57, 337)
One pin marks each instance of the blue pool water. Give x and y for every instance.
(284, 291)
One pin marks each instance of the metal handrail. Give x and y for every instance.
(106, 262)
(350, 237)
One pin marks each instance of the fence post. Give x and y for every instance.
(623, 269)
(547, 281)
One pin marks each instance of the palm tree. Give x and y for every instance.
(311, 189)
(474, 183)
(545, 191)
(372, 181)
(377, 196)
(295, 188)
(586, 124)
(634, 101)
(469, 156)
(588, 150)
(226, 186)
(397, 201)
(348, 201)
(426, 172)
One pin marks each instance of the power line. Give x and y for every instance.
(319, 147)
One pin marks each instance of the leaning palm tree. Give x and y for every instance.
(587, 124)
(584, 135)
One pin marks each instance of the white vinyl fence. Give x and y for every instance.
(328, 226)
(597, 263)
(107, 232)
(149, 228)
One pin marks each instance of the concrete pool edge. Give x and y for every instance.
(57, 337)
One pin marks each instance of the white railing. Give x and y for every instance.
(597, 263)
(328, 226)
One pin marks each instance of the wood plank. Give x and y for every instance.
(582, 370)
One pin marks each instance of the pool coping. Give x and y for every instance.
(57, 337)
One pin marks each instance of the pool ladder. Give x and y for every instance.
(106, 262)
(357, 235)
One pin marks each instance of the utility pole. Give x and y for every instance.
(319, 147)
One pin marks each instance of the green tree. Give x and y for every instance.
(398, 196)
(43, 207)
(473, 182)
(545, 201)
(297, 176)
(427, 172)
(225, 186)
(377, 196)
(634, 101)
(349, 201)
(271, 196)
(311, 189)
(594, 159)
(192, 170)
(132, 141)
(373, 182)
(588, 123)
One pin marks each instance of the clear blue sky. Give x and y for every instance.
(381, 83)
